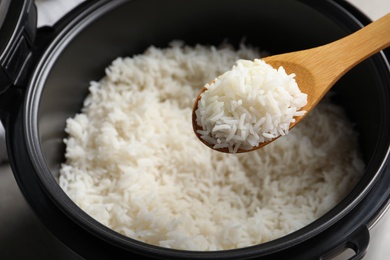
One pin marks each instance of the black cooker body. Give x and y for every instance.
(49, 78)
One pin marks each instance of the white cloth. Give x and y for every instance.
(49, 11)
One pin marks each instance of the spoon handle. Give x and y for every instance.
(329, 62)
(353, 49)
(319, 68)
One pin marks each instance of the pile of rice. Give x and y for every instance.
(135, 165)
(250, 104)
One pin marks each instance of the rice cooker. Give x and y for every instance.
(44, 79)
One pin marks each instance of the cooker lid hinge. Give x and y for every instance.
(16, 53)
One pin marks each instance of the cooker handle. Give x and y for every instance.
(357, 241)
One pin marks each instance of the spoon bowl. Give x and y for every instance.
(318, 69)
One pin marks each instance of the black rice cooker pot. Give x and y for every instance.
(45, 75)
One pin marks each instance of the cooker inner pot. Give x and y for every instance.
(270, 25)
(274, 26)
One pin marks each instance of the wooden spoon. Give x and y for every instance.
(318, 69)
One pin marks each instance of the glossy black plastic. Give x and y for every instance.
(17, 30)
(83, 43)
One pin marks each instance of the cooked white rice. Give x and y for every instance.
(135, 165)
(250, 104)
